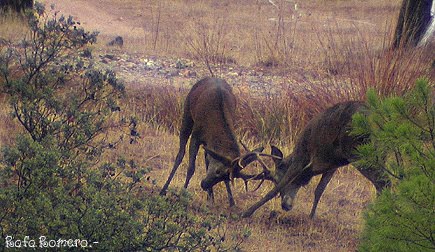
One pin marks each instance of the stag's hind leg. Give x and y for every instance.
(326, 177)
(186, 130)
(377, 176)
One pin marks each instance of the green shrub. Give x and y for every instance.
(54, 87)
(40, 198)
(402, 140)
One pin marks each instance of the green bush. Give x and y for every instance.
(402, 141)
(54, 191)
(36, 200)
(54, 87)
(40, 198)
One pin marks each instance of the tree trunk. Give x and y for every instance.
(414, 18)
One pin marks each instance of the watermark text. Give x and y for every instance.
(44, 242)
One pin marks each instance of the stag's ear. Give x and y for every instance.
(275, 151)
(224, 160)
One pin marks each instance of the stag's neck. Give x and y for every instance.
(225, 144)
(301, 165)
(219, 134)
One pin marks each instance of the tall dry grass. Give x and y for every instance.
(209, 44)
(12, 27)
(159, 107)
(276, 116)
(365, 62)
(251, 32)
(255, 30)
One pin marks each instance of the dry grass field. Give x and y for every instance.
(286, 62)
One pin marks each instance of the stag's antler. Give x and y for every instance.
(265, 174)
(256, 156)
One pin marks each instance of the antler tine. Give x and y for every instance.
(269, 155)
(260, 160)
(244, 146)
(261, 182)
(239, 161)
(258, 155)
(263, 164)
(266, 170)
(243, 157)
(246, 178)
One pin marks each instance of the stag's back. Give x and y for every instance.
(211, 104)
(326, 141)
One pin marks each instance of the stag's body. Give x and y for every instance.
(209, 119)
(323, 146)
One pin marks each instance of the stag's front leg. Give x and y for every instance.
(326, 177)
(230, 194)
(210, 194)
(193, 151)
(186, 130)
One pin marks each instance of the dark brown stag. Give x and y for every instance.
(323, 146)
(208, 119)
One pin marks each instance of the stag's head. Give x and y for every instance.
(223, 168)
(287, 182)
(289, 190)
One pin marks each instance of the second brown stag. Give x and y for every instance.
(323, 146)
(208, 119)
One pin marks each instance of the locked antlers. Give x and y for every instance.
(238, 164)
(249, 157)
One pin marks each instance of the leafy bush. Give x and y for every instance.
(54, 191)
(402, 140)
(36, 200)
(39, 198)
(55, 89)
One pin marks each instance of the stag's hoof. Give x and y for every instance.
(246, 214)
(163, 192)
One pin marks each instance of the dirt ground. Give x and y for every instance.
(94, 18)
